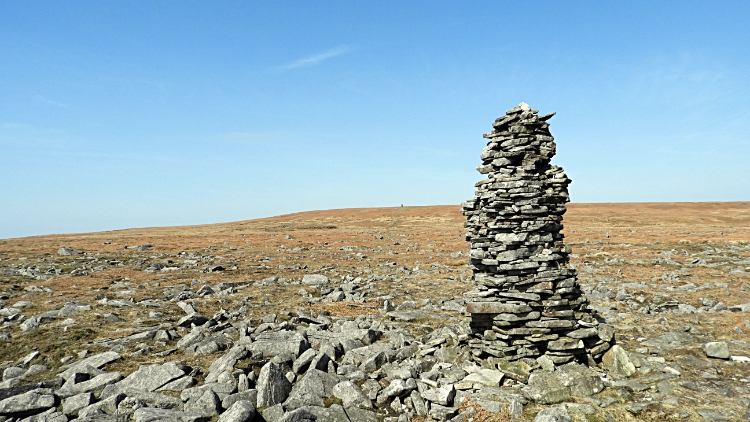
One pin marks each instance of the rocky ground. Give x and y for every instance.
(358, 315)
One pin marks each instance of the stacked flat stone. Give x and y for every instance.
(526, 302)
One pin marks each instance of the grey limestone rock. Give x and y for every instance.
(273, 387)
(351, 395)
(96, 361)
(335, 413)
(443, 396)
(195, 336)
(13, 372)
(28, 403)
(301, 363)
(488, 377)
(712, 415)
(420, 407)
(374, 362)
(207, 404)
(717, 349)
(567, 381)
(311, 390)
(50, 415)
(94, 385)
(553, 414)
(107, 405)
(361, 415)
(152, 377)
(178, 384)
(150, 414)
(226, 362)
(273, 413)
(299, 415)
(221, 389)
(442, 413)
(247, 395)
(617, 361)
(240, 411)
(315, 279)
(68, 251)
(152, 399)
(276, 343)
(73, 404)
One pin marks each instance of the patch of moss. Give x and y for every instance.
(330, 401)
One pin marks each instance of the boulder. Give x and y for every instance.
(617, 360)
(315, 279)
(96, 361)
(443, 396)
(518, 371)
(335, 413)
(488, 377)
(553, 414)
(28, 403)
(155, 400)
(73, 404)
(567, 381)
(300, 415)
(247, 395)
(240, 411)
(221, 389)
(717, 350)
(208, 404)
(150, 414)
(311, 390)
(226, 362)
(273, 387)
(152, 377)
(13, 372)
(351, 395)
(374, 362)
(94, 385)
(276, 343)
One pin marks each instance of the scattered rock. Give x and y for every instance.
(273, 387)
(717, 350)
(617, 361)
(553, 414)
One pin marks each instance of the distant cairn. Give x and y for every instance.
(526, 303)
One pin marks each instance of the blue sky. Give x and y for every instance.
(119, 114)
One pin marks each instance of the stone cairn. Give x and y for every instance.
(526, 302)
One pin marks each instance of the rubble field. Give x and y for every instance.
(360, 315)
